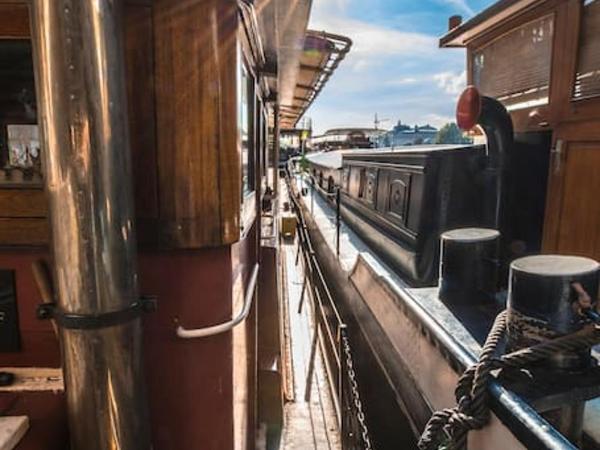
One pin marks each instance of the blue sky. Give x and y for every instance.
(395, 67)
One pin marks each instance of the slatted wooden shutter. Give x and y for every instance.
(515, 68)
(587, 79)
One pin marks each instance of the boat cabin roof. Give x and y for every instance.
(489, 18)
(334, 159)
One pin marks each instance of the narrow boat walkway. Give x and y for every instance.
(309, 424)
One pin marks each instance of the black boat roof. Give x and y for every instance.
(334, 159)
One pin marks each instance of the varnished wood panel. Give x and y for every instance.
(24, 232)
(14, 20)
(573, 216)
(196, 111)
(139, 62)
(23, 203)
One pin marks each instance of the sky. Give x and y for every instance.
(395, 68)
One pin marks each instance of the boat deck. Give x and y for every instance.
(310, 423)
(467, 337)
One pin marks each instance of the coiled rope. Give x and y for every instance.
(448, 428)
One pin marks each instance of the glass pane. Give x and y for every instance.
(515, 68)
(244, 126)
(20, 161)
(587, 78)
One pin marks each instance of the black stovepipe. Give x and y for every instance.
(498, 127)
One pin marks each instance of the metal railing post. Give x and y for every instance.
(337, 221)
(342, 385)
(312, 196)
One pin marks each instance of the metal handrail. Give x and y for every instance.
(184, 333)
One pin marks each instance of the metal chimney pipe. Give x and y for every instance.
(79, 61)
(498, 127)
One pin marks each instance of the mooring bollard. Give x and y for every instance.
(548, 297)
(543, 301)
(469, 265)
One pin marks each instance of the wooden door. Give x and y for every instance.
(573, 208)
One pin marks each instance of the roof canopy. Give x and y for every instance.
(320, 57)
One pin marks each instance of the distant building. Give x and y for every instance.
(343, 138)
(403, 134)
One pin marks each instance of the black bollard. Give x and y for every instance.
(543, 302)
(469, 265)
(546, 294)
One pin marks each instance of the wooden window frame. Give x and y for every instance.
(248, 200)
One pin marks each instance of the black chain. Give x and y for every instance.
(355, 403)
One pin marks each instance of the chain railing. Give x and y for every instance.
(331, 334)
(355, 434)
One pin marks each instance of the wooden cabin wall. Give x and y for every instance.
(198, 261)
(181, 85)
(14, 19)
(196, 110)
(139, 60)
(572, 216)
(189, 382)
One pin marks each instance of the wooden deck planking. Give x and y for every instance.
(308, 424)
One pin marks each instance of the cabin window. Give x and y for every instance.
(515, 68)
(247, 140)
(20, 159)
(587, 78)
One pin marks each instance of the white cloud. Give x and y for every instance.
(404, 81)
(462, 5)
(374, 40)
(397, 73)
(451, 82)
(338, 6)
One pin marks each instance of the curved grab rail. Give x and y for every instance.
(184, 333)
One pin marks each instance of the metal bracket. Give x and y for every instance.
(50, 311)
(557, 152)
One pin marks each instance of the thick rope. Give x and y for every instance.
(448, 428)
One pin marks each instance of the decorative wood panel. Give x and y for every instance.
(23, 203)
(198, 153)
(22, 232)
(14, 20)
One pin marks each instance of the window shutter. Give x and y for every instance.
(515, 68)
(587, 78)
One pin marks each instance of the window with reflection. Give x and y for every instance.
(587, 77)
(245, 126)
(515, 68)
(20, 159)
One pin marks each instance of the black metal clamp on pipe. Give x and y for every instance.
(51, 311)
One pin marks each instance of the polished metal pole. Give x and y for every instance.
(82, 112)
